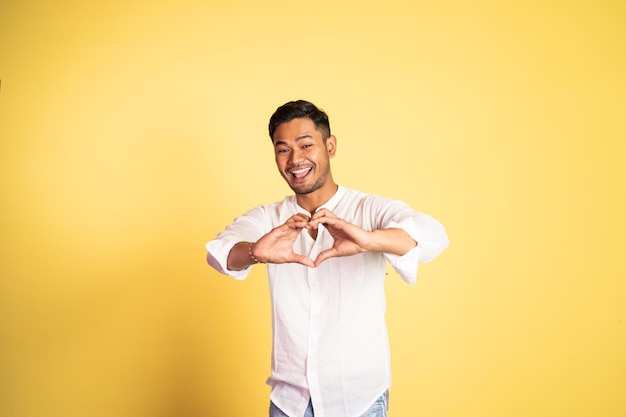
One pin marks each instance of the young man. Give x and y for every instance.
(326, 249)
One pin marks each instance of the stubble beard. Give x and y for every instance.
(308, 189)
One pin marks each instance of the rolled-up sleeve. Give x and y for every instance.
(246, 228)
(430, 235)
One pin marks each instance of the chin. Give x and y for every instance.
(305, 189)
(301, 190)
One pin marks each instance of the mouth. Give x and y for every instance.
(300, 173)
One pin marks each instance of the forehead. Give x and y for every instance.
(295, 129)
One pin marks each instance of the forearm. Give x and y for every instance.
(394, 241)
(239, 257)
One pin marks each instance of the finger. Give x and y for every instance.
(330, 221)
(297, 224)
(304, 260)
(299, 217)
(297, 221)
(324, 255)
(323, 213)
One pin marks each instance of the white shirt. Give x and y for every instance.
(330, 341)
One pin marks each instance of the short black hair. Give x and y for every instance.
(299, 109)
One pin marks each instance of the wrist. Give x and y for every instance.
(374, 241)
(393, 240)
(254, 258)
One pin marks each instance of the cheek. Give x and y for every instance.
(321, 157)
(280, 163)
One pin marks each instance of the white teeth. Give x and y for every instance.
(301, 172)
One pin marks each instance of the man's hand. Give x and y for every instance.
(277, 246)
(350, 239)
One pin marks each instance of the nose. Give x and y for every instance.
(295, 156)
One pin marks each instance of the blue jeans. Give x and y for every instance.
(378, 409)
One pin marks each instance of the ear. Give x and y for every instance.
(331, 146)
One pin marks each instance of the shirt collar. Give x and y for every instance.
(331, 204)
(334, 200)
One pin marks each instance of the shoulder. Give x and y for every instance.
(272, 212)
(287, 200)
(358, 206)
(368, 200)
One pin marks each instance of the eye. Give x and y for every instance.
(308, 145)
(282, 150)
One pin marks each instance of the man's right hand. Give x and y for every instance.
(275, 247)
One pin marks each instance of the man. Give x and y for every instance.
(326, 249)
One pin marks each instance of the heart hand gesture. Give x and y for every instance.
(277, 246)
(349, 239)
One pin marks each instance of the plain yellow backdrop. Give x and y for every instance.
(132, 132)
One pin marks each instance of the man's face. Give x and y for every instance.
(302, 156)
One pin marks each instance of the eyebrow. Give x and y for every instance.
(299, 138)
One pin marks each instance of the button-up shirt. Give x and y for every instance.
(330, 341)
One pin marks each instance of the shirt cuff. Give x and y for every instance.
(406, 265)
(218, 258)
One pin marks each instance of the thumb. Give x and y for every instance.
(305, 260)
(326, 254)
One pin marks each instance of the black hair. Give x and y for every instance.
(298, 109)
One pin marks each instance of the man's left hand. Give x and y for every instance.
(349, 238)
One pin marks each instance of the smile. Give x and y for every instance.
(300, 173)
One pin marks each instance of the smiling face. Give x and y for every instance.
(303, 157)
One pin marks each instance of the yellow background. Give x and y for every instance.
(133, 132)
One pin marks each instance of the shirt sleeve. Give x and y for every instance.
(430, 235)
(248, 227)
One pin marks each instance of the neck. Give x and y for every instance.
(312, 201)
